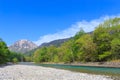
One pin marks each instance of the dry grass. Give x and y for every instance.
(118, 60)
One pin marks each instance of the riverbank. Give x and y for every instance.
(99, 64)
(94, 64)
(27, 72)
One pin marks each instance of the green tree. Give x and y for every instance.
(40, 55)
(87, 49)
(19, 56)
(103, 39)
(104, 36)
(15, 60)
(4, 52)
(115, 44)
(28, 59)
(105, 56)
(56, 58)
(79, 34)
(67, 52)
(36, 56)
(52, 52)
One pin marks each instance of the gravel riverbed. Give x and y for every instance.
(27, 72)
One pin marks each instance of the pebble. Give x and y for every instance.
(26, 72)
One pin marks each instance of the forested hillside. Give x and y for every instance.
(102, 45)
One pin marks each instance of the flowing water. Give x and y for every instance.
(113, 72)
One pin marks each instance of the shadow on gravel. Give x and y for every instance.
(6, 64)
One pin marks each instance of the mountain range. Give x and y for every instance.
(26, 46)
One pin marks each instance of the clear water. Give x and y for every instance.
(113, 72)
(88, 69)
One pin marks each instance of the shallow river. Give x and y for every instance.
(113, 72)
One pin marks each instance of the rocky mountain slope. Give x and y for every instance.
(22, 46)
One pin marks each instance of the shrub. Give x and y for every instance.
(15, 60)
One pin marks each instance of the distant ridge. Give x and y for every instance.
(56, 43)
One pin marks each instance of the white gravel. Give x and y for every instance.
(26, 72)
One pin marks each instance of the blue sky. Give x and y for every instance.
(46, 20)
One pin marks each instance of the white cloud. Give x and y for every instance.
(87, 26)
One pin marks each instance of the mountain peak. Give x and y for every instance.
(23, 40)
(23, 46)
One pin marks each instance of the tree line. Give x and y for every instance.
(7, 56)
(103, 44)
